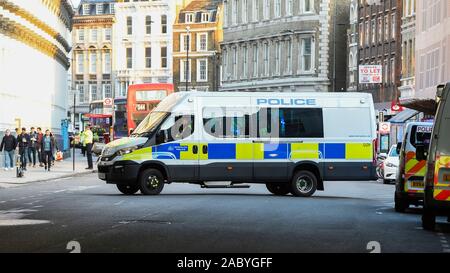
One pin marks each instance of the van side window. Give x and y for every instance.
(419, 137)
(182, 128)
(229, 123)
(291, 122)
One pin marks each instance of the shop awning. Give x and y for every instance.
(426, 106)
(403, 116)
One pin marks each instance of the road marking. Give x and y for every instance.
(15, 217)
(444, 242)
(119, 203)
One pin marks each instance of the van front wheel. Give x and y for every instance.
(151, 182)
(278, 188)
(304, 184)
(128, 189)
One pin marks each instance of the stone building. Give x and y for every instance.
(353, 40)
(92, 69)
(408, 32)
(284, 45)
(197, 34)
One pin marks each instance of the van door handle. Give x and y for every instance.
(205, 149)
(195, 149)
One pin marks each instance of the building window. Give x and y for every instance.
(307, 6)
(129, 56)
(306, 55)
(392, 70)
(93, 63)
(374, 32)
(386, 72)
(224, 65)
(234, 12)
(185, 69)
(163, 57)
(394, 25)
(255, 10)
(244, 11)
(255, 61)
(361, 34)
(107, 91)
(81, 94)
(289, 57)
(266, 9)
(367, 36)
(86, 9)
(107, 63)
(185, 42)
(148, 57)
(380, 29)
(202, 70)
(235, 60)
(129, 25)
(225, 14)
(99, 8)
(164, 24)
(245, 62)
(80, 35)
(202, 42)
(189, 18)
(205, 17)
(80, 63)
(266, 59)
(148, 24)
(94, 35)
(277, 8)
(386, 27)
(277, 57)
(93, 91)
(108, 34)
(289, 7)
(111, 8)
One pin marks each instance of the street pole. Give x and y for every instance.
(187, 57)
(74, 116)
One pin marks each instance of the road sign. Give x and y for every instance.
(385, 128)
(370, 74)
(108, 102)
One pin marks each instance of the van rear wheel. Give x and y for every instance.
(128, 189)
(304, 184)
(278, 188)
(151, 182)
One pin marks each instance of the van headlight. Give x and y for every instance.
(127, 150)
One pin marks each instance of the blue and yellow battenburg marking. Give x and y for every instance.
(260, 151)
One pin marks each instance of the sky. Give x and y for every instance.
(75, 3)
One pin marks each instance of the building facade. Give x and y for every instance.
(284, 45)
(353, 40)
(92, 69)
(143, 42)
(35, 42)
(432, 46)
(408, 32)
(380, 44)
(197, 34)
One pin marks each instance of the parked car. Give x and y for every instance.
(390, 165)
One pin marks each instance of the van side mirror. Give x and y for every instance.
(398, 148)
(421, 152)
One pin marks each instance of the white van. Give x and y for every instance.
(409, 181)
(292, 142)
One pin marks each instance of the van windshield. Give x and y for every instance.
(149, 124)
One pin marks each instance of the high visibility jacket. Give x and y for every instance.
(88, 137)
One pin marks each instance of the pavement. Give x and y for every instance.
(84, 211)
(61, 169)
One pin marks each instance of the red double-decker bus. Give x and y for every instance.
(142, 98)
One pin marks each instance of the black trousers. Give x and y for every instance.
(47, 159)
(23, 152)
(39, 154)
(89, 155)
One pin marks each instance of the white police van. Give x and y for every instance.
(291, 142)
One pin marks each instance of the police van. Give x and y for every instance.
(409, 181)
(291, 142)
(437, 178)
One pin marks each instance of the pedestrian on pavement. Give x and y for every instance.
(32, 147)
(23, 141)
(40, 135)
(48, 147)
(9, 143)
(89, 140)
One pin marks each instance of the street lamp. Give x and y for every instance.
(188, 28)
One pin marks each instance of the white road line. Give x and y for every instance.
(119, 203)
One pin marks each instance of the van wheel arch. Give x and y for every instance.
(312, 167)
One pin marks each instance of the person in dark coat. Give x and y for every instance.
(48, 147)
(23, 141)
(32, 147)
(40, 135)
(9, 143)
